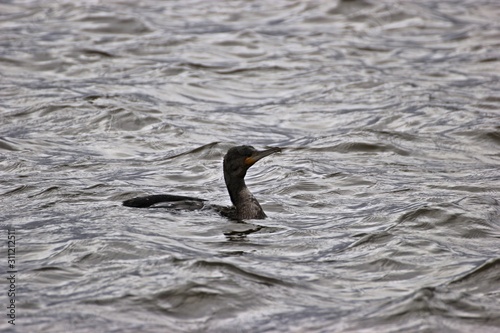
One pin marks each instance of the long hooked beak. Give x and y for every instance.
(260, 154)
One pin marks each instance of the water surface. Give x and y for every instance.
(383, 207)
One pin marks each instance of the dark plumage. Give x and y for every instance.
(236, 163)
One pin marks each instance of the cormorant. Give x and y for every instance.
(236, 163)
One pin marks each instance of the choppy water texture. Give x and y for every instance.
(383, 207)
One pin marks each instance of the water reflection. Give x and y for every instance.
(241, 230)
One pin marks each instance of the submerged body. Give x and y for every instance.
(236, 163)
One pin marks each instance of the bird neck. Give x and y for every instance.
(247, 207)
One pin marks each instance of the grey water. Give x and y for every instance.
(383, 207)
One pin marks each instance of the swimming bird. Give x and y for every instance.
(236, 163)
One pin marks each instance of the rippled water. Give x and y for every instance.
(383, 207)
